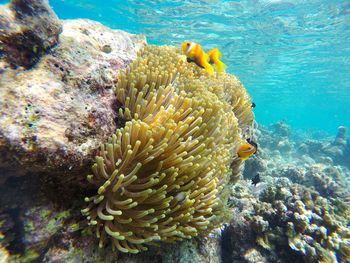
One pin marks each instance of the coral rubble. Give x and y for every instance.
(163, 175)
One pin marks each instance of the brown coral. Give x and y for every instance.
(162, 176)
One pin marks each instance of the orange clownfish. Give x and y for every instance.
(214, 57)
(247, 149)
(194, 52)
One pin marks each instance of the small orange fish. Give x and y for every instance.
(195, 52)
(247, 149)
(214, 57)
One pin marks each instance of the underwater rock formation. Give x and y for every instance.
(341, 136)
(276, 138)
(53, 116)
(164, 175)
(28, 29)
(344, 145)
(281, 129)
(327, 150)
(83, 249)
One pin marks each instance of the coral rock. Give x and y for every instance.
(28, 29)
(341, 136)
(281, 129)
(54, 115)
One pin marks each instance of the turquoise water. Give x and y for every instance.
(293, 56)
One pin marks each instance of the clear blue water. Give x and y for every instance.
(293, 56)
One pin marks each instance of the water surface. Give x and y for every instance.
(293, 56)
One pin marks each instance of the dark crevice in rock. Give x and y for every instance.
(226, 246)
(17, 245)
(119, 120)
(24, 198)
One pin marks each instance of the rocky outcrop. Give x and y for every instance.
(29, 28)
(341, 136)
(53, 116)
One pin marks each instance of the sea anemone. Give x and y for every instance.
(164, 175)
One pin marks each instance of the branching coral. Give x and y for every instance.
(163, 175)
(326, 179)
(312, 225)
(289, 223)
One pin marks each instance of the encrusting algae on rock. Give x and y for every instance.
(164, 175)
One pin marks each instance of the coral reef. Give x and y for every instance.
(281, 129)
(162, 176)
(327, 150)
(276, 138)
(307, 162)
(29, 28)
(289, 222)
(314, 226)
(328, 180)
(53, 116)
(297, 212)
